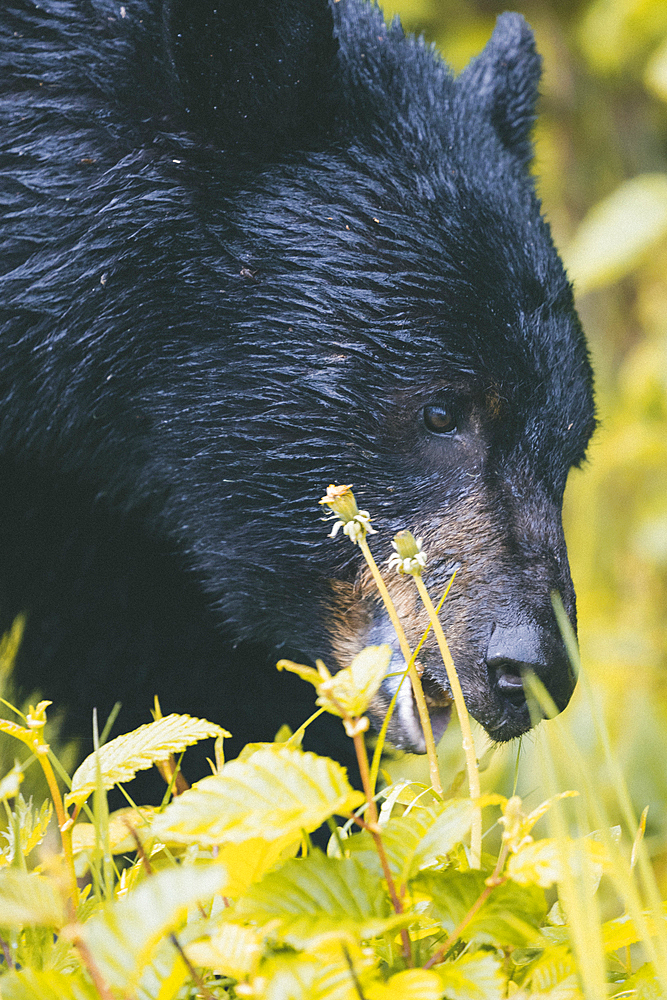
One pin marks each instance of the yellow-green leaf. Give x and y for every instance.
(315, 896)
(510, 916)
(120, 759)
(232, 951)
(472, 977)
(248, 861)
(417, 841)
(554, 968)
(28, 900)
(121, 823)
(543, 862)
(623, 932)
(321, 973)
(350, 691)
(644, 984)
(122, 936)
(411, 984)
(11, 783)
(31, 984)
(279, 791)
(353, 688)
(618, 232)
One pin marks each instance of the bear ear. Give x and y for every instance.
(255, 76)
(502, 82)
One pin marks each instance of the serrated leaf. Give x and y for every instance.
(123, 934)
(120, 759)
(618, 232)
(511, 916)
(250, 860)
(472, 977)
(644, 984)
(348, 692)
(353, 688)
(411, 984)
(542, 863)
(321, 973)
(622, 931)
(417, 841)
(28, 901)
(316, 896)
(31, 984)
(232, 951)
(120, 837)
(279, 791)
(554, 968)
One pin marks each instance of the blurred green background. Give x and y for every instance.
(601, 160)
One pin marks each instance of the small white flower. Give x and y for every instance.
(356, 528)
(408, 556)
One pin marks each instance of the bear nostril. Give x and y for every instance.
(513, 651)
(509, 680)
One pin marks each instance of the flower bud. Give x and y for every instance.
(408, 556)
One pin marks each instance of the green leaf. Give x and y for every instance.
(618, 232)
(278, 791)
(233, 950)
(315, 896)
(511, 915)
(122, 936)
(411, 984)
(120, 759)
(419, 840)
(321, 973)
(348, 692)
(622, 931)
(472, 977)
(546, 861)
(28, 901)
(554, 968)
(30, 984)
(643, 985)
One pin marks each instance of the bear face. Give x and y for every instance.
(248, 256)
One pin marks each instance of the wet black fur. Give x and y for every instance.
(239, 255)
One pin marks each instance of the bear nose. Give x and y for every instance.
(515, 649)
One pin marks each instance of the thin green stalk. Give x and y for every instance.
(464, 721)
(65, 823)
(379, 746)
(374, 830)
(494, 880)
(417, 689)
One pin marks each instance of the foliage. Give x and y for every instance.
(179, 920)
(220, 892)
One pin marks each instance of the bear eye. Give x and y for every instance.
(439, 419)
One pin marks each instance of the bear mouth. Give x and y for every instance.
(405, 729)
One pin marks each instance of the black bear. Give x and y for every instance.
(249, 250)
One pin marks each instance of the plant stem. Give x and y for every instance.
(464, 721)
(492, 882)
(65, 823)
(373, 829)
(379, 746)
(417, 689)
